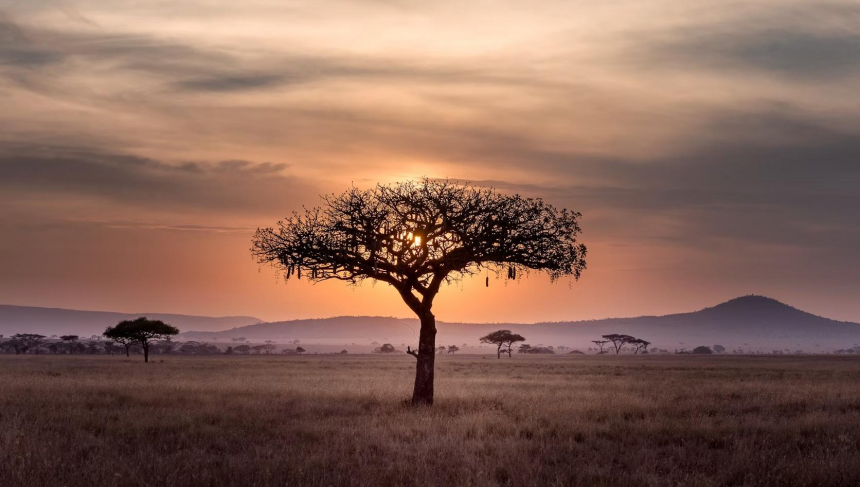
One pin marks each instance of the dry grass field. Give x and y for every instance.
(342, 420)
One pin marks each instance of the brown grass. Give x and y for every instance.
(335, 420)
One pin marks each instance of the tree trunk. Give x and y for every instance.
(423, 392)
(499, 352)
(146, 354)
(127, 353)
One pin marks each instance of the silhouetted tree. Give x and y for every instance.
(343, 351)
(441, 349)
(639, 345)
(702, 350)
(417, 236)
(387, 348)
(502, 339)
(453, 349)
(69, 338)
(142, 331)
(618, 341)
(24, 342)
(600, 344)
(300, 350)
(524, 348)
(719, 349)
(125, 341)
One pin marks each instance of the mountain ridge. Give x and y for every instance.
(47, 321)
(739, 321)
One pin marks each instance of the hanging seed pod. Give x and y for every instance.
(488, 281)
(299, 272)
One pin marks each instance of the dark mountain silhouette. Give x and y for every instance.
(748, 322)
(751, 322)
(49, 321)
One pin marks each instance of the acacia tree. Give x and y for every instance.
(417, 236)
(618, 341)
(125, 341)
(600, 344)
(453, 349)
(639, 345)
(142, 331)
(502, 339)
(23, 342)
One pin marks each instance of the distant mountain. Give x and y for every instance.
(50, 321)
(748, 322)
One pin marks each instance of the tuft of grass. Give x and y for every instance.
(335, 420)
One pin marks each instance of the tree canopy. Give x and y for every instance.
(502, 339)
(142, 331)
(24, 342)
(417, 236)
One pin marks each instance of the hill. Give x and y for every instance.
(50, 321)
(748, 322)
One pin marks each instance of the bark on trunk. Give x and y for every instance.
(127, 353)
(423, 392)
(146, 354)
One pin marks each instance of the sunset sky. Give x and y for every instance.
(713, 148)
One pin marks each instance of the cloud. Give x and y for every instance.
(764, 176)
(28, 173)
(808, 42)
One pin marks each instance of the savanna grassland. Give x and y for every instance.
(343, 420)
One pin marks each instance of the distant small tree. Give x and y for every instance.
(23, 342)
(702, 350)
(719, 349)
(343, 351)
(524, 348)
(640, 345)
(300, 350)
(618, 341)
(600, 344)
(69, 338)
(269, 347)
(441, 349)
(142, 331)
(502, 339)
(453, 349)
(125, 341)
(387, 348)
